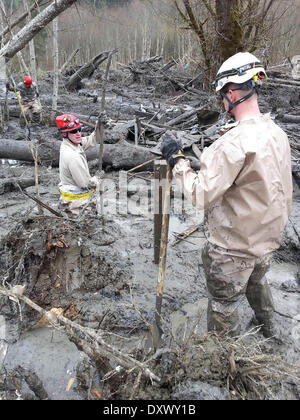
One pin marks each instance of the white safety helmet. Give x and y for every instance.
(240, 68)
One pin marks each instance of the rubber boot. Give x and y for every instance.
(222, 324)
(267, 328)
(260, 299)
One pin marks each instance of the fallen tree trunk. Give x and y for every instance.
(115, 156)
(87, 70)
(118, 156)
(287, 118)
(184, 116)
(20, 150)
(10, 184)
(120, 93)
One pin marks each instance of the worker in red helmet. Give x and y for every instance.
(27, 81)
(76, 184)
(29, 96)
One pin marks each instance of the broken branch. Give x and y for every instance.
(99, 345)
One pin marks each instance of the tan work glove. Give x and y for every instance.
(102, 119)
(93, 182)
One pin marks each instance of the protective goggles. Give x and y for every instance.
(71, 124)
(75, 130)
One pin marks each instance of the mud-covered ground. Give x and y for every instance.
(101, 273)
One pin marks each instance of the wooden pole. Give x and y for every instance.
(157, 330)
(99, 191)
(102, 109)
(160, 173)
(142, 164)
(34, 152)
(136, 132)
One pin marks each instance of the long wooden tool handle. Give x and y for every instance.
(163, 245)
(40, 202)
(196, 150)
(100, 159)
(143, 164)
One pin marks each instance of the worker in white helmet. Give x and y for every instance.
(245, 187)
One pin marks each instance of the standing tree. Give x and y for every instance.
(4, 16)
(55, 66)
(7, 29)
(31, 46)
(224, 27)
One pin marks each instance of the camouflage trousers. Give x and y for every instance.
(32, 110)
(75, 207)
(230, 277)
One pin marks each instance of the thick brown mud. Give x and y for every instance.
(101, 273)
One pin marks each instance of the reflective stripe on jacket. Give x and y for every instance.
(245, 183)
(70, 196)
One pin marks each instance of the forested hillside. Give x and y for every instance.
(188, 31)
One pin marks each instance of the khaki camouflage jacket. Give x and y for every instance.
(245, 183)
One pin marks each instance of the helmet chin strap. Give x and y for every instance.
(68, 138)
(234, 104)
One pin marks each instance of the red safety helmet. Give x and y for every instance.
(27, 81)
(67, 123)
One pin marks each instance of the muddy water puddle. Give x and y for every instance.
(51, 356)
(54, 358)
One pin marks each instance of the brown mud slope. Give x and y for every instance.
(76, 267)
(56, 256)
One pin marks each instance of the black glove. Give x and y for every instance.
(7, 85)
(170, 149)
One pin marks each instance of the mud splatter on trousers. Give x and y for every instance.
(231, 276)
(32, 110)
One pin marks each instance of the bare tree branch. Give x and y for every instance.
(33, 27)
(197, 28)
(239, 25)
(209, 8)
(20, 18)
(98, 344)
